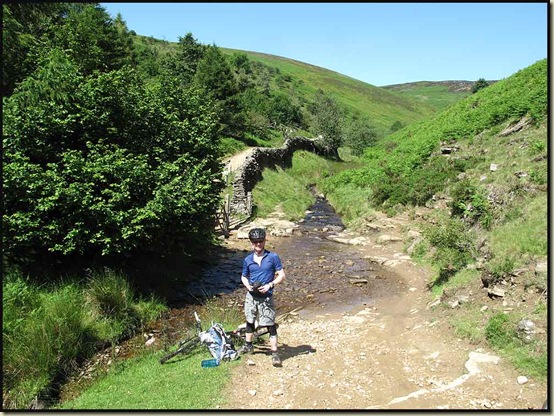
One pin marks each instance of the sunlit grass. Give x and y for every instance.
(144, 384)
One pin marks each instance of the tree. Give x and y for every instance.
(479, 85)
(281, 110)
(26, 26)
(327, 120)
(106, 165)
(92, 39)
(359, 134)
(215, 77)
(189, 53)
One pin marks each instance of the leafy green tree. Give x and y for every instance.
(328, 119)
(282, 111)
(106, 165)
(188, 55)
(214, 76)
(92, 38)
(359, 134)
(25, 28)
(479, 85)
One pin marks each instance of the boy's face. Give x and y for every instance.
(258, 245)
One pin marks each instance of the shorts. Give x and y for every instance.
(261, 308)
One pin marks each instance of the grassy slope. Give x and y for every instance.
(438, 95)
(382, 107)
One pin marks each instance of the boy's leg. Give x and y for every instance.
(250, 311)
(267, 318)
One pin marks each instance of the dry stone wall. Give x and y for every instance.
(250, 172)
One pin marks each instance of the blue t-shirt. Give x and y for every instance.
(263, 273)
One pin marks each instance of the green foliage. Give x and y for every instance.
(376, 104)
(189, 53)
(281, 110)
(479, 85)
(397, 125)
(25, 29)
(289, 189)
(454, 247)
(470, 203)
(92, 38)
(110, 293)
(437, 95)
(501, 334)
(328, 119)
(523, 236)
(403, 159)
(359, 134)
(106, 165)
(47, 329)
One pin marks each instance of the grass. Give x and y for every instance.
(531, 358)
(382, 107)
(439, 96)
(142, 383)
(180, 384)
(470, 324)
(48, 329)
(289, 189)
(498, 330)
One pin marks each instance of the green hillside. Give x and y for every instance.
(486, 156)
(382, 107)
(438, 95)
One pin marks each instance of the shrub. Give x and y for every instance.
(497, 331)
(454, 247)
(106, 165)
(470, 203)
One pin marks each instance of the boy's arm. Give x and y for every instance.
(279, 277)
(246, 283)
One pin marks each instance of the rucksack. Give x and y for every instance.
(219, 344)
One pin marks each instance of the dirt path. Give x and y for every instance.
(395, 353)
(236, 161)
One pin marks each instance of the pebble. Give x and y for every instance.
(522, 380)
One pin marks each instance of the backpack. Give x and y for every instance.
(219, 344)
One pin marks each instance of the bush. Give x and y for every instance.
(454, 247)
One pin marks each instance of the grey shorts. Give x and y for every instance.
(261, 308)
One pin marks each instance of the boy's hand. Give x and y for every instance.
(264, 288)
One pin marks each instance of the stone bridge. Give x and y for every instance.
(250, 172)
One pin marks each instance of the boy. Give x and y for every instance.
(261, 271)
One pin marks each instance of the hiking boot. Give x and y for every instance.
(276, 360)
(246, 349)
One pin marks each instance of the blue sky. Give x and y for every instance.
(378, 43)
